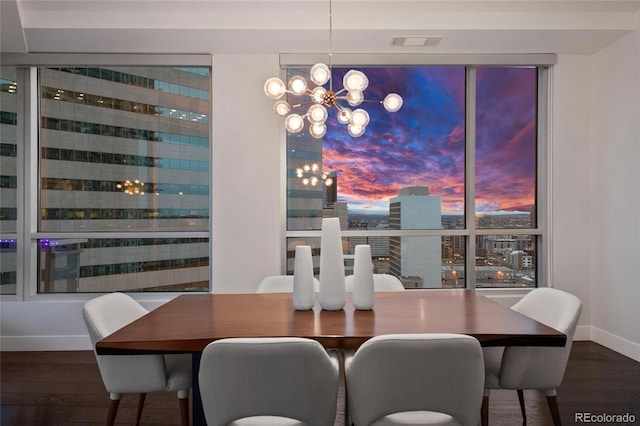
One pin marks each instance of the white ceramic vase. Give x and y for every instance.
(363, 290)
(303, 292)
(332, 287)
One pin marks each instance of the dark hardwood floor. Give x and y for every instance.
(64, 388)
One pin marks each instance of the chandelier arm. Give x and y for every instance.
(337, 105)
(302, 104)
(305, 93)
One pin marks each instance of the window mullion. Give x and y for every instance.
(470, 170)
(543, 185)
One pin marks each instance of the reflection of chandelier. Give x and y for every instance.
(354, 83)
(310, 174)
(132, 188)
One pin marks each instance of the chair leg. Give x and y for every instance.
(484, 410)
(184, 411)
(113, 410)
(143, 396)
(522, 409)
(553, 407)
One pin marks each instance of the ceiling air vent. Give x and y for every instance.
(431, 41)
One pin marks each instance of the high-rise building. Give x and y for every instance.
(415, 208)
(124, 150)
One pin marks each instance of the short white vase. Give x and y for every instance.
(363, 290)
(332, 286)
(303, 293)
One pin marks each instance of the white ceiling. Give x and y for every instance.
(302, 26)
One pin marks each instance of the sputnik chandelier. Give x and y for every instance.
(311, 175)
(320, 99)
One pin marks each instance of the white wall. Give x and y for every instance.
(248, 163)
(247, 173)
(615, 188)
(570, 193)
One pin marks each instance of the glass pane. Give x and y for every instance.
(417, 151)
(111, 162)
(8, 179)
(8, 150)
(141, 264)
(8, 266)
(419, 262)
(506, 261)
(506, 147)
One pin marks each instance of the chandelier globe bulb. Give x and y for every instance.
(355, 131)
(297, 85)
(294, 123)
(274, 88)
(355, 97)
(282, 108)
(320, 74)
(392, 102)
(317, 130)
(344, 115)
(355, 80)
(317, 114)
(317, 94)
(359, 117)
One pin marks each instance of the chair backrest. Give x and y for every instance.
(381, 282)
(416, 372)
(244, 378)
(106, 314)
(542, 367)
(281, 284)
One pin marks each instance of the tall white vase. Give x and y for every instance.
(332, 288)
(363, 291)
(303, 292)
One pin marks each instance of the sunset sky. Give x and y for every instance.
(423, 143)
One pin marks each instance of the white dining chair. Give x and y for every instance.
(281, 284)
(416, 379)
(381, 282)
(268, 381)
(534, 367)
(141, 374)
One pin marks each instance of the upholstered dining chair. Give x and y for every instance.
(281, 284)
(416, 379)
(381, 282)
(538, 368)
(121, 374)
(268, 381)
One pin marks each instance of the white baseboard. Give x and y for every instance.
(583, 332)
(45, 343)
(616, 343)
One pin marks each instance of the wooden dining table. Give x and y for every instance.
(188, 323)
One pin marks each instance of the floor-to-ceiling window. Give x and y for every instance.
(121, 166)
(447, 191)
(8, 179)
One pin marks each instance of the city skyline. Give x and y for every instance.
(423, 143)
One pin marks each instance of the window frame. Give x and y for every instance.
(27, 134)
(541, 231)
